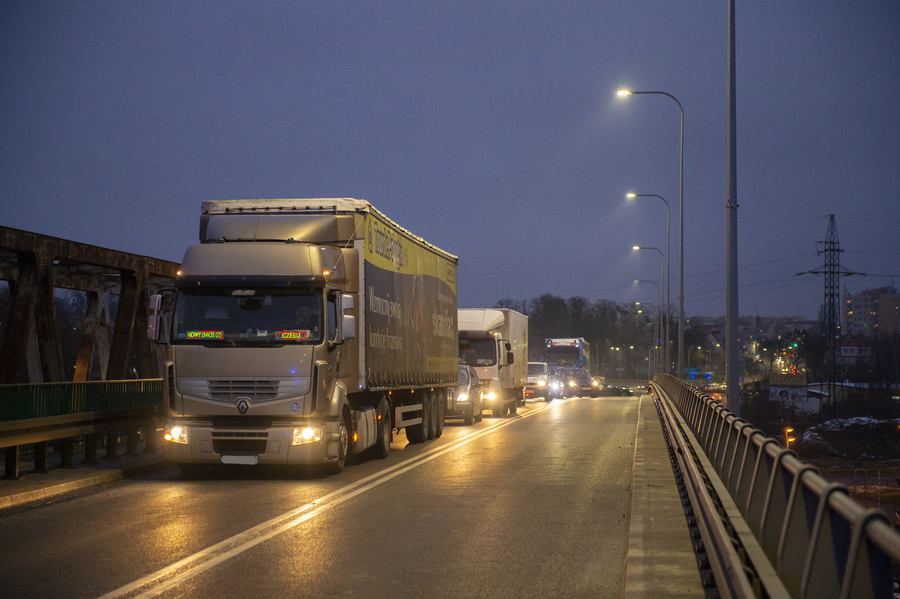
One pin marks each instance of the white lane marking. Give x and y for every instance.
(184, 569)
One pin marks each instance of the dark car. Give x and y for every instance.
(615, 390)
(578, 382)
(467, 401)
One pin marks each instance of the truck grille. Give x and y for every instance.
(256, 390)
(228, 391)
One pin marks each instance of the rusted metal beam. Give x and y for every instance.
(123, 333)
(23, 292)
(34, 265)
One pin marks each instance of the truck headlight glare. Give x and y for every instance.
(303, 436)
(463, 397)
(491, 396)
(176, 434)
(541, 383)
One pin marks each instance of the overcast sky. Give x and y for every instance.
(491, 129)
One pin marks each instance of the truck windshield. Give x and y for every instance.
(565, 356)
(537, 369)
(261, 316)
(478, 352)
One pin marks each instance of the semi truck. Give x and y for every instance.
(567, 353)
(495, 342)
(303, 332)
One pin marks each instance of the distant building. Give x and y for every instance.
(755, 328)
(871, 313)
(855, 352)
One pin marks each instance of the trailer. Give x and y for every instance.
(303, 332)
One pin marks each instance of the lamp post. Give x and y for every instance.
(662, 260)
(663, 268)
(657, 317)
(624, 93)
(668, 273)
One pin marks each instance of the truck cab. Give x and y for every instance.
(489, 355)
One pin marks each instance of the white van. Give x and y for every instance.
(538, 384)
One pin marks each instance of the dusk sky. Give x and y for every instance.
(491, 129)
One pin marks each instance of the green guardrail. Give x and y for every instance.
(42, 400)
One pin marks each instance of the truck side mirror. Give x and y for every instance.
(348, 321)
(154, 320)
(510, 358)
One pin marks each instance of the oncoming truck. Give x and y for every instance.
(570, 352)
(495, 342)
(302, 332)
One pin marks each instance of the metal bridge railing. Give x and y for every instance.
(45, 412)
(41, 400)
(819, 541)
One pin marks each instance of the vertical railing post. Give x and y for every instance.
(11, 471)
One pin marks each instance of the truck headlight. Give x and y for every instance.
(571, 383)
(491, 396)
(541, 383)
(303, 436)
(463, 398)
(595, 383)
(176, 434)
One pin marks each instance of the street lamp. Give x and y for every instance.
(668, 273)
(657, 317)
(625, 93)
(663, 261)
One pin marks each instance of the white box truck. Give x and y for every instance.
(302, 332)
(495, 342)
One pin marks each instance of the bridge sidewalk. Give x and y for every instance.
(661, 561)
(36, 486)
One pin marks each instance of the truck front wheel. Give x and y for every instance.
(343, 447)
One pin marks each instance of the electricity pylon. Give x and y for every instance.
(831, 325)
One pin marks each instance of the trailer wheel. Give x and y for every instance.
(432, 414)
(441, 410)
(499, 411)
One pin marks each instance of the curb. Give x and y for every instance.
(67, 487)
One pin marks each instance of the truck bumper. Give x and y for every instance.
(249, 446)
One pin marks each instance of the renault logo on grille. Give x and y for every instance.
(243, 405)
